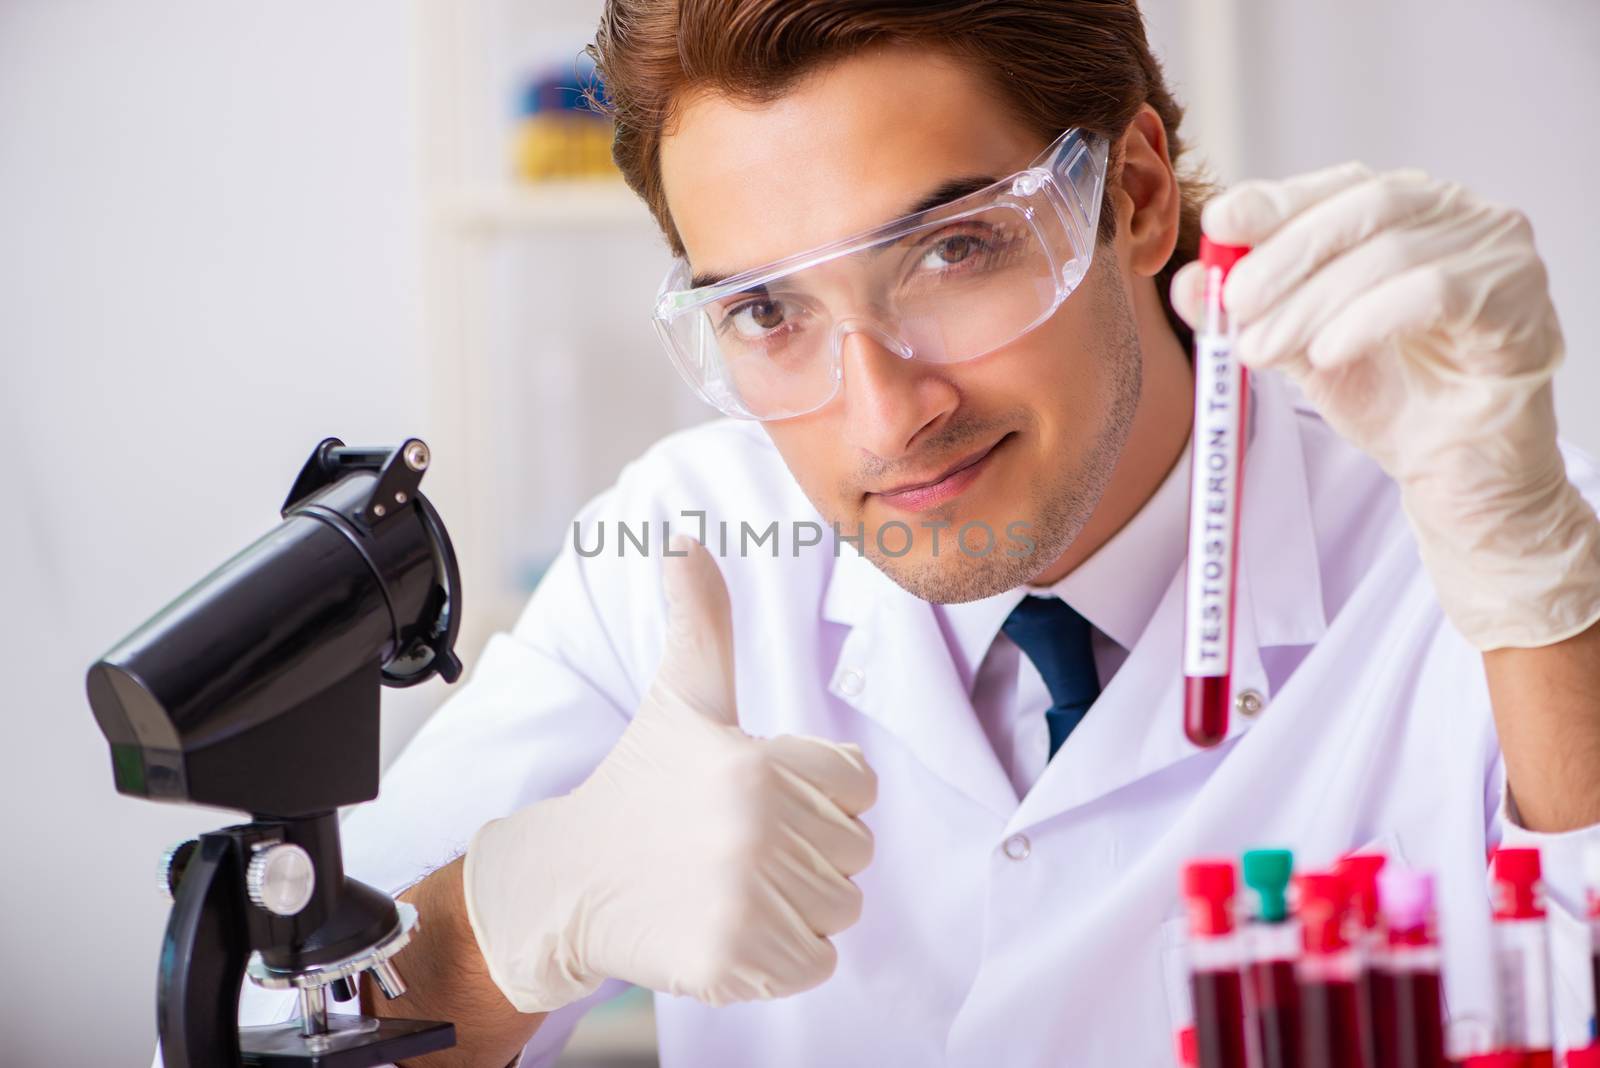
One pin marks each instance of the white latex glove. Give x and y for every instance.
(696, 859)
(1417, 320)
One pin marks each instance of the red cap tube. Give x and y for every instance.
(1216, 254)
(1587, 1057)
(1518, 892)
(1360, 873)
(1324, 905)
(1208, 887)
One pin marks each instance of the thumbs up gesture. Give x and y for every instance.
(695, 859)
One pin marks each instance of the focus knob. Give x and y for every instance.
(173, 862)
(280, 878)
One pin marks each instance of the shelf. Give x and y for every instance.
(555, 205)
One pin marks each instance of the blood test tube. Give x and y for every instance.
(1417, 1004)
(1215, 472)
(1589, 1056)
(1591, 872)
(1329, 972)
(1522, 957)
(1215, 982)
(1586, 1057)
(1501, 1059)
(1272, 945)
(1360, 873)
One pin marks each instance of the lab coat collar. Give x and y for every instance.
(895, 667)
(1117, 589)
(1120, 586)
(899, 667)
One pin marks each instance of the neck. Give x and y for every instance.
(1156, 440)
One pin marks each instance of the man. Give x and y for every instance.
(883, 798)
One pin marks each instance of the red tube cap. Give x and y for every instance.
(1360, 873)
(1587, 1057)
(1208, 887)
(1324, 905)
(1518, 891)
(1189, 1047)
(1502, 1059)
(1216, 254)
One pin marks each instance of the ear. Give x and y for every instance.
(1146, 194)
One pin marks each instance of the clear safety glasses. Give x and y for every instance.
(945, 285)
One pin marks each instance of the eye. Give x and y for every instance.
(951, 250)
(757, 318)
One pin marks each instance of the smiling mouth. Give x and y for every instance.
(920, 496)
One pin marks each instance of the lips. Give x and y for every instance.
(922, 495)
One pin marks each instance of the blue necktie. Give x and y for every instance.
(1056, 639)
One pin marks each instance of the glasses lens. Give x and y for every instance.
(952, 290)
(770, 346)
(968, 286)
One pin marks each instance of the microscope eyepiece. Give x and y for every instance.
(257, 689)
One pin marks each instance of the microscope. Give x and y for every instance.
(258, 690)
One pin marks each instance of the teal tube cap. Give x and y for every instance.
(1267, 871)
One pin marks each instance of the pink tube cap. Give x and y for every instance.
(1406, 898)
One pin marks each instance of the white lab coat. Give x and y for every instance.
(1375, 732)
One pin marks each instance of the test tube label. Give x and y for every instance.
(1524, 998)
(1218, 414)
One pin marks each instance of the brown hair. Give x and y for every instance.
(1059, 63)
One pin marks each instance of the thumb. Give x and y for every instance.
(1188, 293)
(697, 660)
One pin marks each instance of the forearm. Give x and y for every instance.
(1547, 711)
(446, 979)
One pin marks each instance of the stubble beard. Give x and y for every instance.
(1062, 500)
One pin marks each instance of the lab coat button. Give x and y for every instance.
(1018, 847)
(1248, 702)
(851, 682)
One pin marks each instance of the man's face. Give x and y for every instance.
(1020, 441)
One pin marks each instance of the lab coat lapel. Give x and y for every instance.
(895, 667)
(1135, 729)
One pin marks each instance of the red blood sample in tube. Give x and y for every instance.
(1330, 997)
(1522, 955)
(1275, 997)
(1417, 1037)
(1380, 1023)
(1219, 998)
(1205, 708)
(1591, 876)
(1330, 1014)
(1419, 1026)
(1272, 945)
(1215, 982)
(1360, 874)
(1216, 468)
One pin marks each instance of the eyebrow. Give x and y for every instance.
(954, 189)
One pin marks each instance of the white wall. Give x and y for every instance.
(208, 261)
(210, 258)
(1496, 96)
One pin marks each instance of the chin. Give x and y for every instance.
(953, 576)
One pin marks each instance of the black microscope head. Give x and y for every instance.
(258, 688)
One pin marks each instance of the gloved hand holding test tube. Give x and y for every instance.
(1215, 471)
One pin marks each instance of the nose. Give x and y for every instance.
(890, 400)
